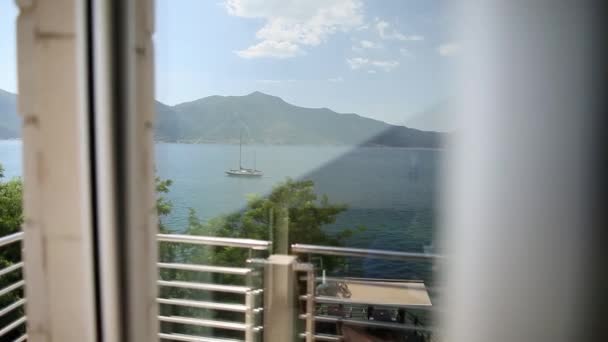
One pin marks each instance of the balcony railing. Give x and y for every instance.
(252, 325)
(312, 299)
(11, 326)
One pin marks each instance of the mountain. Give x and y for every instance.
(10, 122)
(261, 118)
(268, 119)
(438, 118)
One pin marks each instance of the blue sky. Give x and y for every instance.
(386, 59)
(8, 61)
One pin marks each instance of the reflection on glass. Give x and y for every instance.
(12, 316)
(256, 140)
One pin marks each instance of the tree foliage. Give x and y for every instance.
(11, 219)
(307, 213)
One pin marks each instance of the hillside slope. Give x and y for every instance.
(10, 122)
(268, 119)
(260, 118)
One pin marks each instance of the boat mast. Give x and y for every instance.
(240, 150)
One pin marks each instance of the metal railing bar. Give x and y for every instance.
(202, 304)
(21, 338)
(336, 300)
(374, 324)
(361, 253)
(204, 322)
(215, 241)
(190, 338)
(403, 283)
(257, 261)
(11, 307)
(385, 282)
(11, 268)
(323, 337)
(205, 286)
(12, 287)
(205, 268)
(5, 240)
(12, 326)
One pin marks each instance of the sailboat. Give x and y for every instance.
(242, 171)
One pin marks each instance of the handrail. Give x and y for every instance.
(190, 338)
(202, 304)
(11, 307)
(336, 300)
(12, 287)
(5, 240)
(205, 268)
(361, 252)
(322, 337)
(12, 325)
(204, 286)
(208, 323)
(215, 241)
(385, 282)
(373, 324)
(11, 268)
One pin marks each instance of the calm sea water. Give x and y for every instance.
(390, 191)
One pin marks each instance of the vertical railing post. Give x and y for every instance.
(249, 317)
(280, 299)
(310, 303)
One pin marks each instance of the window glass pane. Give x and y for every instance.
(11, 301)
(314, 122)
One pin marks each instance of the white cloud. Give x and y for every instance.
(405, 52)
(268, 48)
(274, 81)
(381, 26)
(357, 62)
(365, 63)
(335, 79)
(385, 65)
(291, 25)
(387, 33)
(366, 44)
(449, 49)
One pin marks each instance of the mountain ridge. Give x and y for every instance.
(260, 118)
(268, 119)
(10, 121)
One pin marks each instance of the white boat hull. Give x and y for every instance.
(244, 173)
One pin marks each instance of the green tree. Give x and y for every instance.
(167, 251)
(11, 219)
(307, 213)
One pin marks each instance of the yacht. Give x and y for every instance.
(242, 171)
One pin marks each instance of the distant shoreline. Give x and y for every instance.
(308, 145)
(286, 145)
